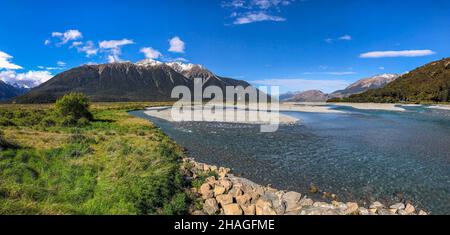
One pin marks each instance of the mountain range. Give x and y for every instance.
(428, 83)
(8, 91)
(358, 87)
(147, 80)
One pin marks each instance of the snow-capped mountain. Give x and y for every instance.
(147, 80)
(366, 84)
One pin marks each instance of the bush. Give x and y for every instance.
(73, 107)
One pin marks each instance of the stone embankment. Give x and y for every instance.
(226, 194)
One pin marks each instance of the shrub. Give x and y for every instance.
(73, 107)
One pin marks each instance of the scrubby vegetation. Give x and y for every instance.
(112, 164)
(427, 84)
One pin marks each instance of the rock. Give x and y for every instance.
(421, 212)
(376, 205)
(382, 211)
(235, 191)
(226, 184)
(292, 201)
(323, 205)
(264, 207)
(206, 168)
(232, 209)
(211, 180)
(206, 192)
(311, 210)
(213, 168)
(306, 202)
(352, 208)
(249, 210)
(373, 211)
(398, 206)
(224, 199)
(409, 209)
(402, 212)
(363, 211)
(219, 190)
(393, 211)
(243, 199)
(210, 206)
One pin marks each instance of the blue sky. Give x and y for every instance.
(300, 45)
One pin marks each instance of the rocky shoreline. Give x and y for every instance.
(222, 193)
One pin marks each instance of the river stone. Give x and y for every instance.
(232, 209)
(409, 209)
(398, 206)
(352, 208)
(224, 199)
(235, 191)
(219, 190)
(363, 211)
(210, 206)
(249, 209)
(292, 200)
(383, 211)
(306, 202)
(226, 184)
(376, 205)
(264, 207)
(243, 199)
(206, 192)
(421, 212)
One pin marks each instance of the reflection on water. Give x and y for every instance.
(360, 155)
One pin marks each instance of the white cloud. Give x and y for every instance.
(151, 53)
(257, 17)
(285, 85)
(88, 48)
(113, 48)
(405, 53)
(250, 11)
(61, 63)
(69, 35)
(47, 42)
(177, 45)
(344, 37)
(76, 44)
(5, 62)
(29, 79)
(381, 68)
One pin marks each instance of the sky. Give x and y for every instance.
(296, 44)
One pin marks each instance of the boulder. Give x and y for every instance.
(421, 212)
(363, 211)
(224, 199)
(205, 191)
(264, 207)
(409, 209)
(352, 208)
(398, 206)
(292, 201)
(244, 199)
(232, 209)
(210, 206)
(235, 191)
(227, 184)
(376, 205)
(198, 212)
(219, 190)
(249, 209)
(306, 202)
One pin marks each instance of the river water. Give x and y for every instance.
(360, 155)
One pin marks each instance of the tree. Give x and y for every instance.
(72, 108)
